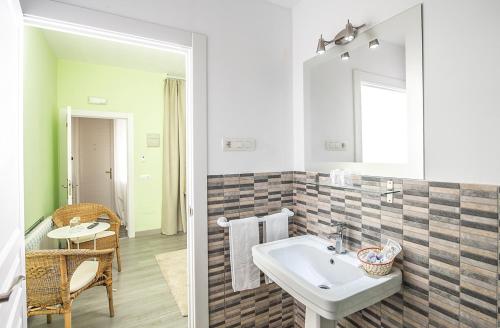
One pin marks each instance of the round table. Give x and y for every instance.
(78, 231)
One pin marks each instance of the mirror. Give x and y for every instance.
(364, 111)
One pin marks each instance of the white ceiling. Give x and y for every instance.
(285, 3)
(104, 52)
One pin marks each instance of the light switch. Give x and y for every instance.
(153, 140)
(332, 145)
(238, 144)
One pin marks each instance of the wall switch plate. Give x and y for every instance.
(153, 140)
(238, 144)
(332, 145)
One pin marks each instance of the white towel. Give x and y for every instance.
(243, 235)
(275, 228)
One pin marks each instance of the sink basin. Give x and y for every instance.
(330, 285)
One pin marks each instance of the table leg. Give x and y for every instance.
(95, 235)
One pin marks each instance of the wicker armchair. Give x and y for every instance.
(54, 278)
(89, 212)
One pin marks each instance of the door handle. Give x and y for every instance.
(4, 296)
(110, 172)
(67, 185)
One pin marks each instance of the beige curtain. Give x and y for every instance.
(174, 158)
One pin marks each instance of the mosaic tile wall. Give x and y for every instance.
(449, 232)
(238, 196)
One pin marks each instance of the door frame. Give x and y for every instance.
(12, 250)
(129, 117)
(68, 18)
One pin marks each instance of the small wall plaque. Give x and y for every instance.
(153, 140)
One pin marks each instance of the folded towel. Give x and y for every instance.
(243, 235)
(275, 228)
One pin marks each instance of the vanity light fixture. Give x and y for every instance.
(373, 44)
(322, 43)
(345, 56)
(348, 34)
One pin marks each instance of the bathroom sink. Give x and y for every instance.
(330, 285)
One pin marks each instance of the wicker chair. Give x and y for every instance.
(89, 212)
(54, 278)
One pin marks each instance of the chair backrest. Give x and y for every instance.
(47, 283)
(87, 212)
(49, 272)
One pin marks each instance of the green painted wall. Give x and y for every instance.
(40, 128)
(131, 91)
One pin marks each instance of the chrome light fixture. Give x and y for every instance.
(345, 56)
(322, 43)
(373, 44)
(348, 34)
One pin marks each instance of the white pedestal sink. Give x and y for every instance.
(330, 285)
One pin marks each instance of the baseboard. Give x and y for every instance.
(148, 232)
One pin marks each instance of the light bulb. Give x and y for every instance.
(349, 32)
(321, 45)
(373, 44)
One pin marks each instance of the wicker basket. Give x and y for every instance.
(378, 269)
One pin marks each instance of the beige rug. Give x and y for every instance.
(173, 266)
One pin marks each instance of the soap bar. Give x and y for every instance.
(375, 257)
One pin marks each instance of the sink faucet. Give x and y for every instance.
(339, 237)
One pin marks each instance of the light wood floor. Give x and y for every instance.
(142, 297)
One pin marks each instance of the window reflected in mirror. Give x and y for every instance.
(383, 115)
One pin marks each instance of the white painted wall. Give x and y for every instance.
(249, 72)
(461, 63)
(461, 90)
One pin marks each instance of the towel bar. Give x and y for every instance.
(222, 221)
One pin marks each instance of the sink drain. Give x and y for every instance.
(324, 286)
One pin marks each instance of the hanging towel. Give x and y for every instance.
(275, 228)
(243, 235)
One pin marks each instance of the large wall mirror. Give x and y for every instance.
(364, 110)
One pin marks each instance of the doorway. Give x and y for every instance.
(109, 137)
(93, 161)
(99, 155)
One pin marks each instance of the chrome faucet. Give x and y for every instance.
(339, 237)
